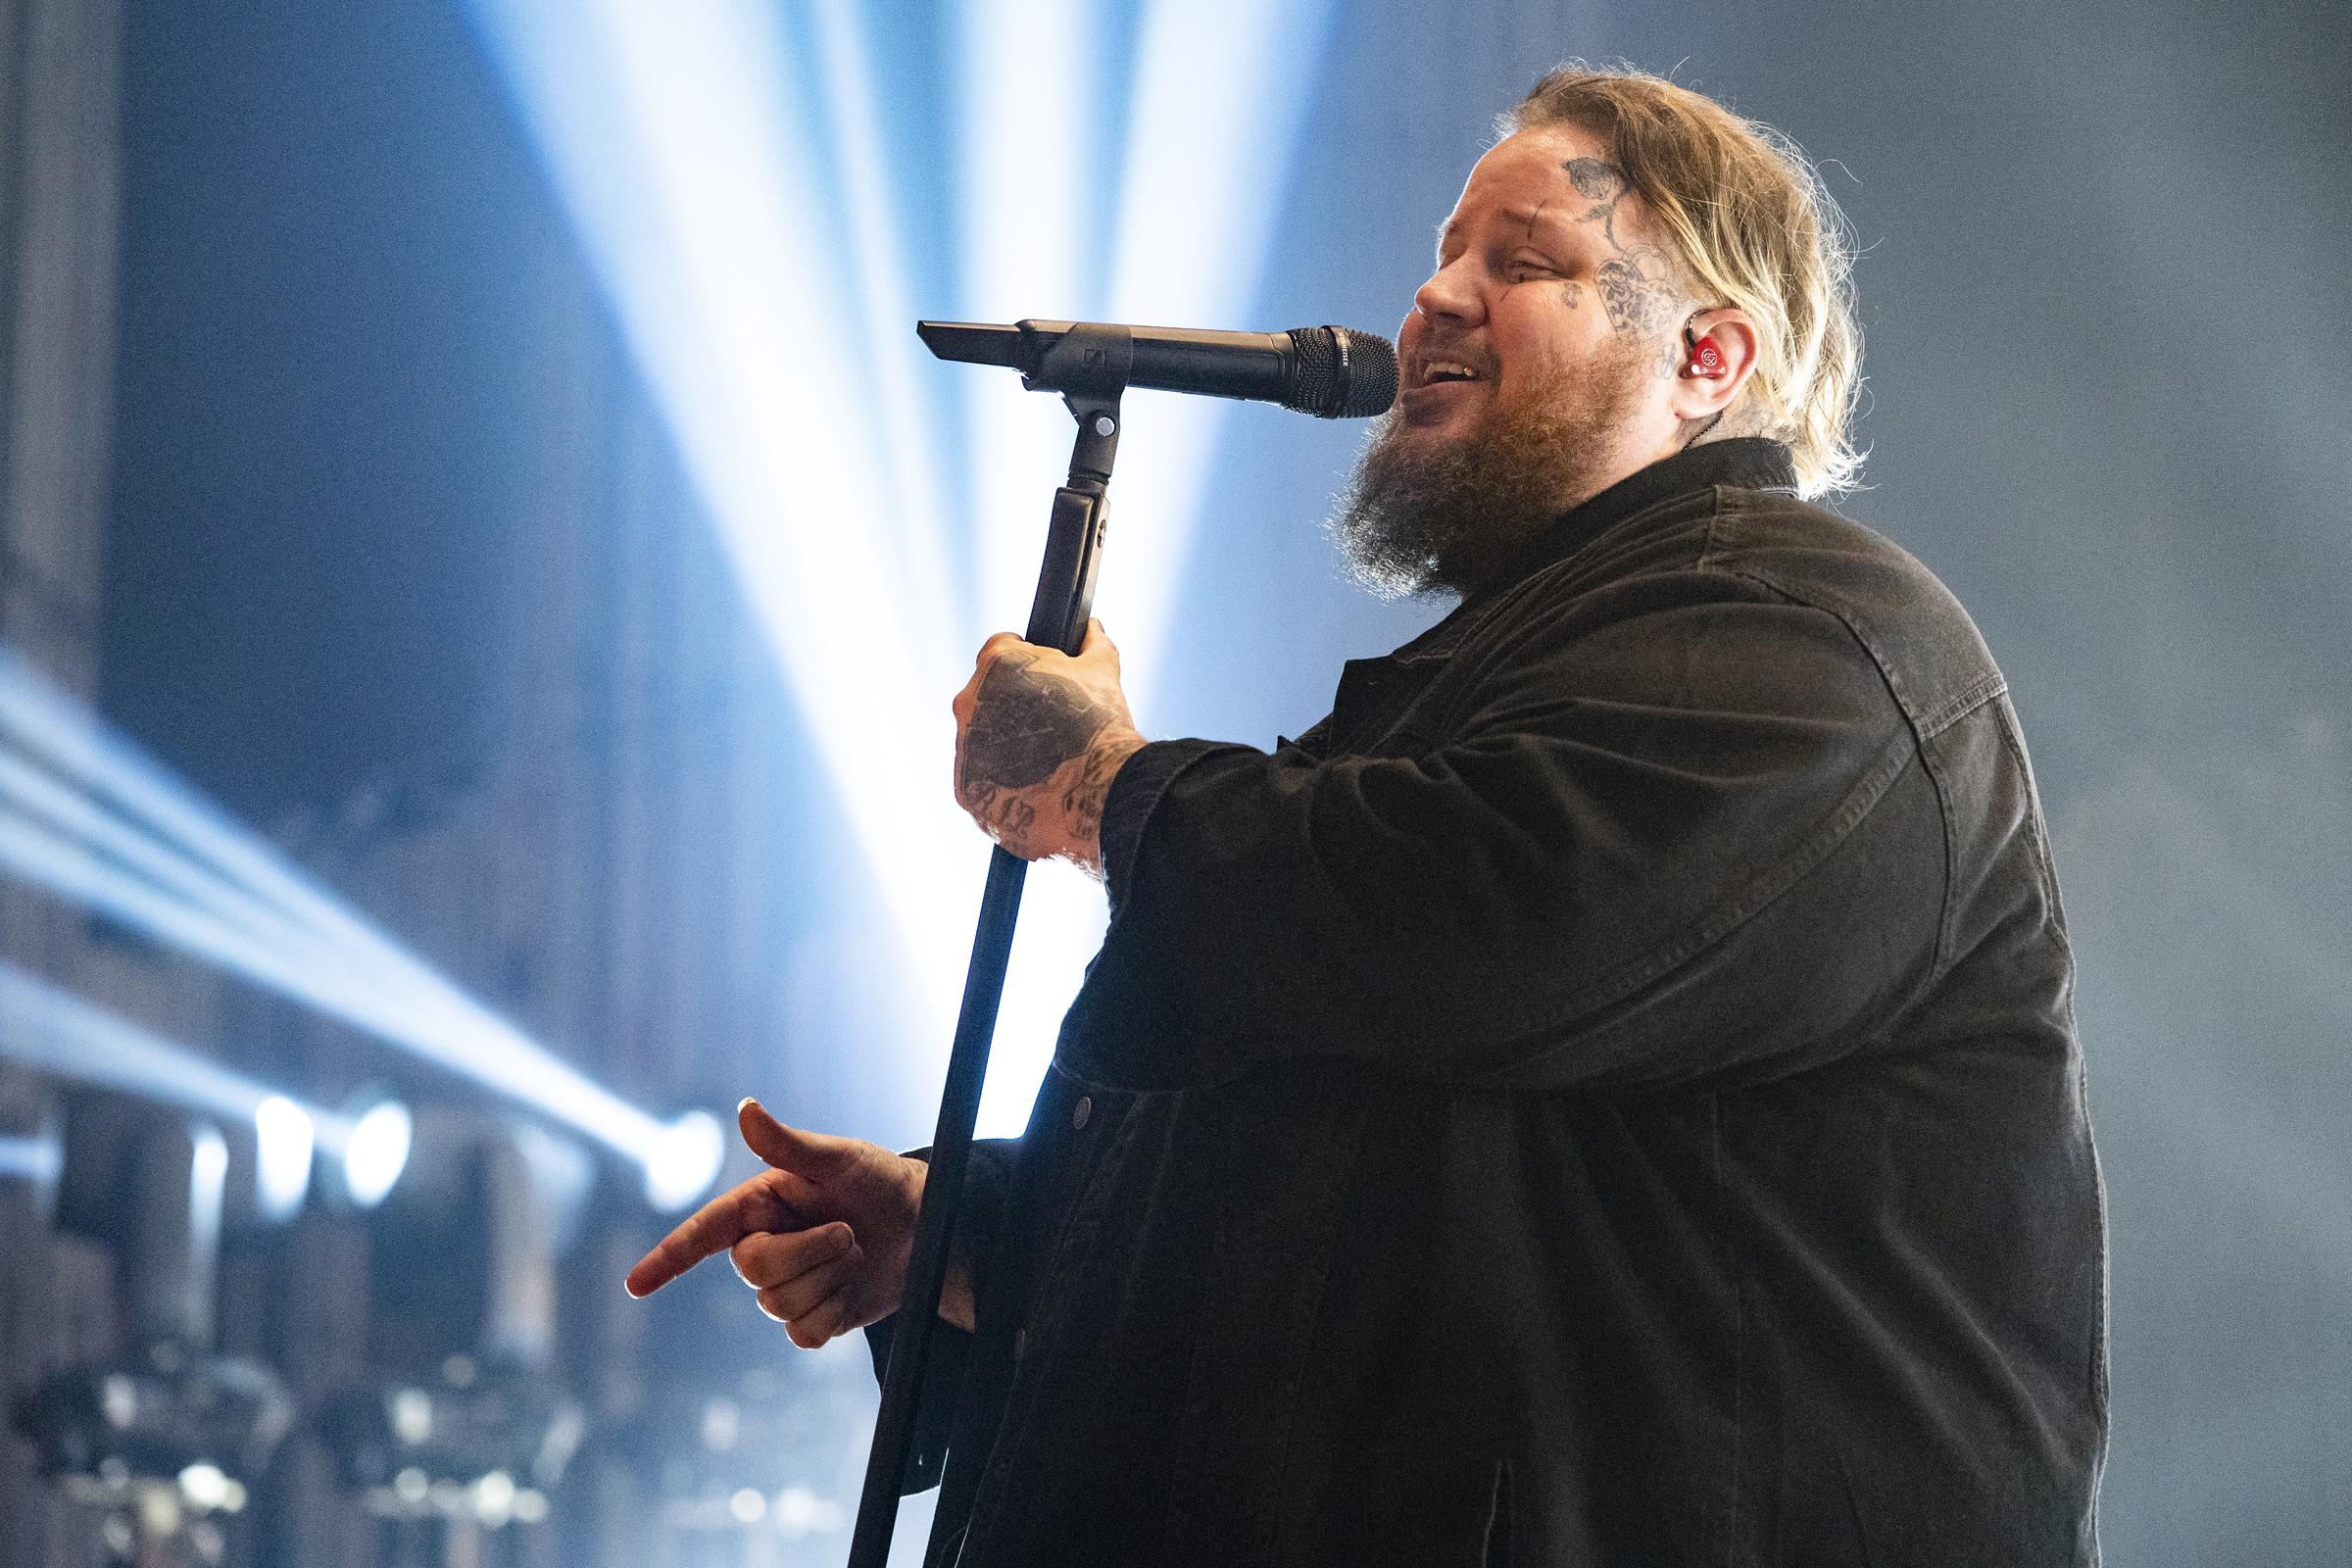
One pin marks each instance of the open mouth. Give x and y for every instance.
(1438, 372)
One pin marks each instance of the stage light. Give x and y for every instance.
(161, 826)
(209, 1489)
(405, 1003)
(1215, 114)
(752, 258)
(164, 862)
(58, 1033)
(685, 1161)
(284, 1136)
(759, 1451)
(493, 1497)
(801, 1512)
(376, 1151)
(39, 1161)
(687, 165)
(1026, 248)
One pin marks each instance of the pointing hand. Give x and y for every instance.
(823, 1234)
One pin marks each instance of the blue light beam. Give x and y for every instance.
(773, 331)
(55, 1032)
(168, 863)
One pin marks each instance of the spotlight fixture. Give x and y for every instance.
(284, 1138)
(375, 1149)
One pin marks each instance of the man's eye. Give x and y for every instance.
(1529, 266)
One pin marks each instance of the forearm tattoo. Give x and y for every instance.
(1005, 815)
(1024, 727)
(1082, 803)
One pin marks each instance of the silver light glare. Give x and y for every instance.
(377, 1151)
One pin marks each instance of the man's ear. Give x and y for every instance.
(1718, 354)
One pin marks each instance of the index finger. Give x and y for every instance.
(710, 1229)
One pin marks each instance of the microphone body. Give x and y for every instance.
(1334, 372)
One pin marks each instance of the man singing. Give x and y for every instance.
(1607, 1094)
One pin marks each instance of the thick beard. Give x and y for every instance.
(1420, 520)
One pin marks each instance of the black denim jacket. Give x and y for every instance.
(1605, 1095)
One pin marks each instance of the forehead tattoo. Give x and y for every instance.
(1605, 185)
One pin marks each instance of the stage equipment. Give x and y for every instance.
(1092, 365)
(1333, 372)
(395, 1440)
(158, 1416)
(176, 1432)
(58, 1033)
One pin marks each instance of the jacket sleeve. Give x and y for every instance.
(950, 1356)
(1675, 828)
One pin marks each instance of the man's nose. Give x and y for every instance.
(1448, 295)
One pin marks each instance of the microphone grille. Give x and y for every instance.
(1342, 373)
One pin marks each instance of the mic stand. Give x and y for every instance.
(1090, 365)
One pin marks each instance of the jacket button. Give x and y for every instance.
(1082, 1111)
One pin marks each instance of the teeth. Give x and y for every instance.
(1442, 368)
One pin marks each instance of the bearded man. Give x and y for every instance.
(1607, 1093)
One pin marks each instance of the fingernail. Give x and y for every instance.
(745, 1100)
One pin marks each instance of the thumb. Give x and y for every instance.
(1097, 644)
(814, 1155)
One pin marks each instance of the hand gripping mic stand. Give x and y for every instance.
(1089, 366)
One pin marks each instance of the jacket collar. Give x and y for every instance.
(1746, 463)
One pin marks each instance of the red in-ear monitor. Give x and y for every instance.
(1705, 357)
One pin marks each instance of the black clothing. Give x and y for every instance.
(1605, 1095)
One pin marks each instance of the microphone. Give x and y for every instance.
(1334, 372)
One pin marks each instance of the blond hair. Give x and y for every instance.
(1750, 221)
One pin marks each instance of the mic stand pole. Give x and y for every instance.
(1090, 365)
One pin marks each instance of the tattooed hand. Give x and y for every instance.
(1039, 737)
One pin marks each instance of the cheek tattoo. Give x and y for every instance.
(1633, 285)
(1635, 301)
